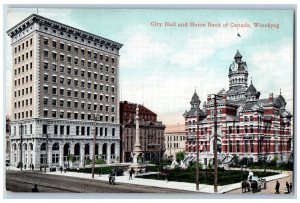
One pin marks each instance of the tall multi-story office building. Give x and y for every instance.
(61, 77)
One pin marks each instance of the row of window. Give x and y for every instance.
(23, 57)
(23, 92)
(69, 60)
(24, 45)
(75, 82)
(76, 93)
(25, 102)
(75, 105)
(23, 80)
(75, 50)
(22, 70)
(175, 138)
(21, 115)
(76, 116)
(79, 130)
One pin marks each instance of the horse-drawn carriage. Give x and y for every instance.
(255, 184)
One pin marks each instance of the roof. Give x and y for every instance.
(252, 106)
(238, 55)
(195, 98)
(34, 18)
(193, 112)
(251, 89)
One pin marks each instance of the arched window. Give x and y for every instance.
(43, 147)
(55, 146)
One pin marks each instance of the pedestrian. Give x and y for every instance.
(32, 167)
(41, 168)
(65, 170)
(29, 166)
(277, 187)
(61, 169)
(35, 189)
(291, 187)
(25, 167)
(130, 174)
(287, 187)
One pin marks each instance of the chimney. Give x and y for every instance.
(271, 97)
(208, 97)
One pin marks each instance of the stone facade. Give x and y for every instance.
(62, 76)
(174, 143)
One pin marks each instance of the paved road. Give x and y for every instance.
(23, 181)
(271, 186)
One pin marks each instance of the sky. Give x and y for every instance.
(161, 66)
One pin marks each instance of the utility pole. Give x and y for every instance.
(215, 144)
(21, 147)
(197, 148)
(95, 118)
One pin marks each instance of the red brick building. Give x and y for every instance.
(247, 126)
(151, 132)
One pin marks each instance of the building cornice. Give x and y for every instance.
(34, 18)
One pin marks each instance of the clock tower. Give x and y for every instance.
(238, 78)
(238, 72)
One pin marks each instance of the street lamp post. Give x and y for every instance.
(95, 118)
(21, 147)
(215, 144)
(197, 148)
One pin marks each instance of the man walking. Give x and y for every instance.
(277, 187)
(130, 174)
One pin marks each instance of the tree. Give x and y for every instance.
(71, 158)
(180, 156)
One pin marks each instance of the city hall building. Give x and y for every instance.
(61, 77)
(247, 126)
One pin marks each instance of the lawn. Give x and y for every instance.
(206, 176)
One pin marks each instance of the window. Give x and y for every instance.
(45, 113)
(95, 55)
(54, 79)
(82, 52)
(68, 114)
(46, 53)
(76, 61)
(61, 69)
(112, 60)
(77, 130)
(82, 83)
(101, 57)
(82, 73)
(75, 83)
(76, 71)
(45, 65)
(62, 46)
(45, 42)
(54, 67)
(45, 101)
(68, 130)
(54, 56)
(75, 115)
(69, 48)
(237, 129)
(68, 93)
(237, 146)
(230, 129)
(69, 59)
(62, 57)
(61, 103)
(88, 131)
(45, 77)
(55, 129)
(82, 130)
(82, 62)
(69, 70)
(45, 89)
(69, 81)
(53, 114)
(53, 90)
(53, 102)
(95, 65)
(61, 114)
(54, 44)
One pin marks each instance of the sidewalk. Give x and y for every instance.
(163, 184)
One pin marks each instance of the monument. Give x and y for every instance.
(138, 155)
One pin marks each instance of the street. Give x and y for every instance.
(270, 186)
(24, 181)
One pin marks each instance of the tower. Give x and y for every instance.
(238, 78)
